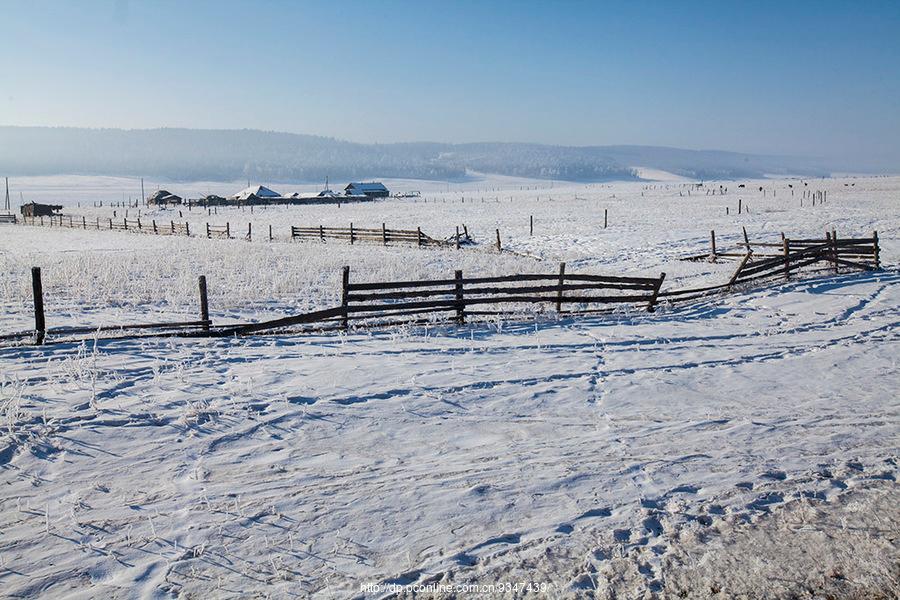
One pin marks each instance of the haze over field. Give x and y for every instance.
(227, 155)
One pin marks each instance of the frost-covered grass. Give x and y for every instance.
(600, 456)
(107, 277)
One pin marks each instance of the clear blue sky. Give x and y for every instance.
(814, 78)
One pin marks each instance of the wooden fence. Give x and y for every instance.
(125, 224)
(384, 235)
(766, 260)
(455, 299)
(351, 234)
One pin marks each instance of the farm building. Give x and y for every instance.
(372, 189)
(163, 198)
(255, 193)
(33, 209)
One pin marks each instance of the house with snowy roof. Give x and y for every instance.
(163, 198)
(372, 189)
(258, 192)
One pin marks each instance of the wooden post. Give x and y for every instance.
(785, 248)
(204, 303)
(876, 250)
(83, 223)
(383, 234)
(834, 250)
(605, 215)
(739, 269)
(460, 303)
(207, 231)
(249, 232)
(155, 230)
(110, 224)
(712, 243)
(739, 205)
(40, 326)
(419, 236)
(351, 233)
(172, 227)
(651, 306)
(457, 237)
(270, 233)
(559, 292)
(531, 225)
(345, 284)
(465, 231)
(747, 239)
(227, 230)
(187, 229)
(499, 247)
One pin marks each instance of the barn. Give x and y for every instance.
(33, 209)
(163, 198)
(372, 189)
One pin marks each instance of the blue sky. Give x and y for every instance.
(813, 78)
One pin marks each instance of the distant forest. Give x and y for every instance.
(227, 155)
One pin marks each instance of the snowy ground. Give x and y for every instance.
(614, 457)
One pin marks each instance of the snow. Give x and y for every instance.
(591, 455)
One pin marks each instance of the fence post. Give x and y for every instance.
(465, 231)
(739, 205)
(40, 327)
(834, 247)
(785, 248)
(227, 230)
(876, 250)
(457, 237)
(172, 227)
(530, 224)
(499, 248)
(351, 234)
(125, 223)
(460, 303)
(249, 232)
(270, 232)
(204, 303)
(651, 306)
(605, 215)
(747, 239)
(207, 231)
(559, 293)
(187, 229)
(737, 271)
(83, 222)
(712, 243)
(345, 284)
(419, 236)
(383, 234)
(321, 233)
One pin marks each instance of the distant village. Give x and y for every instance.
(249, 196)
(260, 194)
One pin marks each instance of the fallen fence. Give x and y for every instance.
(370, 304)
(828, 253)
